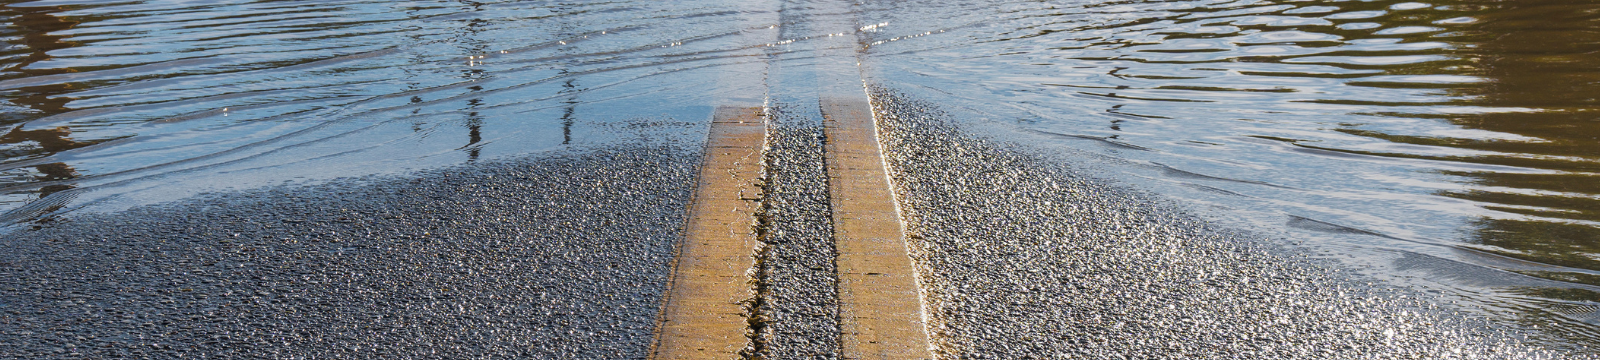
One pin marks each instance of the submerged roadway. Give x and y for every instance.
(854, 221)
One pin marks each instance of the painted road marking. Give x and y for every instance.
(703, 317)
(880, 307)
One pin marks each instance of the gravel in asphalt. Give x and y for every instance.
(563, 256)
(1023, 258)
(799, 305)
(567, 255)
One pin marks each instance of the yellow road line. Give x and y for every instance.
(703, 317)
(880, 308)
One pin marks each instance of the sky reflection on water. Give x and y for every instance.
(1381, 131)
(1411, 134)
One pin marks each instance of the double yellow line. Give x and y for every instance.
(880, 307)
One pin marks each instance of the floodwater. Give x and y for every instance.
(1452, 145)
(1449, 145)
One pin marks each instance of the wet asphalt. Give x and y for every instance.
(567, 255)
(1022, 258)
(558, 257)
(799, 281)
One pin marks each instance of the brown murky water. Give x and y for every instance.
(1465, 133)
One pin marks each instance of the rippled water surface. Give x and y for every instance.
(1449, 144)
(1453, 143)
(108, 100)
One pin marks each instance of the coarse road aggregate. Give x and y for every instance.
(559, 256)
(1020, 258)
(799, 306)
(567, 255)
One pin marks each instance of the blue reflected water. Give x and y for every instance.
(108, 99)
(1377, 132)
(1447, 144)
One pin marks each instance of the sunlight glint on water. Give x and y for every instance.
(1392, 135)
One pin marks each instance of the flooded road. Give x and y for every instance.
(1447, 145)
(1385, 132)
(250, 93)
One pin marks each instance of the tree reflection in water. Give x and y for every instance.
(1539, 56)
(35, 25)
